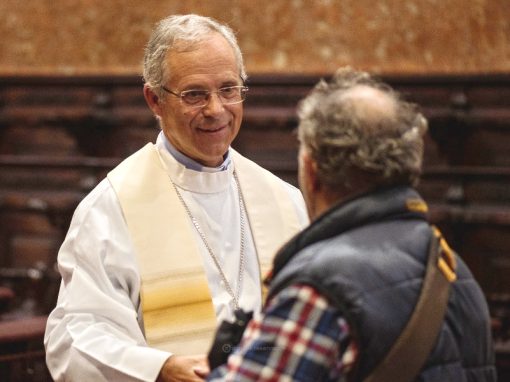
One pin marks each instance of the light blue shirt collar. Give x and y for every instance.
(190, 163)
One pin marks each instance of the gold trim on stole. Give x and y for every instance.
(272, 216)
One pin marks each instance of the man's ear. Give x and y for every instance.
(308, 181)
(310, 169)
(152, 99)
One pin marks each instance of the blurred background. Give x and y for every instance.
(71, 107)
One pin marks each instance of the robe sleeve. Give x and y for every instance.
(94, 333)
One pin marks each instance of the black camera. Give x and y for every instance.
(227, 338)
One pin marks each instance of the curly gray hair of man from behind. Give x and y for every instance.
(357, 126)
(181, 32)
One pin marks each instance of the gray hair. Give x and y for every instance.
(377, 138)
(188, 29)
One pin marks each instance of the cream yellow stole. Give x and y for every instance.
(177, 309)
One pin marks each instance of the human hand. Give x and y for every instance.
(184, 369)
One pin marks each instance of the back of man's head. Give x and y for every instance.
(360, 132)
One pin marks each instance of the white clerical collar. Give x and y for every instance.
(208, 180)
(191, 163)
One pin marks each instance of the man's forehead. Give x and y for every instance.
(211, 59)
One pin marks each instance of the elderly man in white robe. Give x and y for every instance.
(176, 238)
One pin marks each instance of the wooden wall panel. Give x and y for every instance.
(60, 135)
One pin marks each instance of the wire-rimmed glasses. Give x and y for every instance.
(197, 98)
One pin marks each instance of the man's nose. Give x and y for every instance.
(214, 104)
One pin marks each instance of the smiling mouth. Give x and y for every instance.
(213, 130)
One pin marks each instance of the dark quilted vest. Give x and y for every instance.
(368, 257)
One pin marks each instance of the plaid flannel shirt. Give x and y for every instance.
(300, 337)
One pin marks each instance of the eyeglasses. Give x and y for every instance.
(196, 98)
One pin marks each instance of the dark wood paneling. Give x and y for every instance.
(60, 135)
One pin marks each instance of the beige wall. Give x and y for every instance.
(277, 36)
